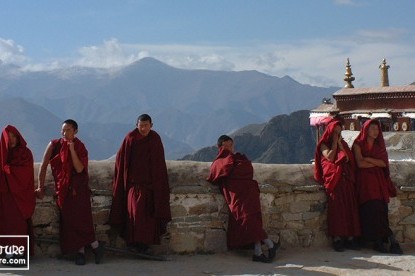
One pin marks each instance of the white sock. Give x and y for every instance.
(94, 244)
(257, 249)
(269, 243)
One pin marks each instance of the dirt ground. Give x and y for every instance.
(312, 261)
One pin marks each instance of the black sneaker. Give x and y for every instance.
(80, 258)
(338, 246)
(261, 258)
(395, 248)
(351, 244)
(99, 252)
(272, 252)
(380, 247)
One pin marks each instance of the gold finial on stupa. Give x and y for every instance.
(384, 78)
(348, 76)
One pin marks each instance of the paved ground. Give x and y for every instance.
(315, 261)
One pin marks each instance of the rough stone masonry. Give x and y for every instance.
(293, 206)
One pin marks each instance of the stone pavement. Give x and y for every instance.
(295, 261)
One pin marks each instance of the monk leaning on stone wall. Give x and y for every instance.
(68, 159)
(335, 169)
(233, 172)
(17, 194)
(374, 187)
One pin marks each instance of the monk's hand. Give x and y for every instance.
(71, 146)
(40, 192)
(6, 169)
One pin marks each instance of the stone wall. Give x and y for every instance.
(293, 206)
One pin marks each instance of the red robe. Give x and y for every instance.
(17, 193)
(73, 196)
(374, 187)
(141, 194)
(338, 178)
(234, 173)
(381, 186)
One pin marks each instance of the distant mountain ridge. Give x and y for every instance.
(190, 108)
(285, 139)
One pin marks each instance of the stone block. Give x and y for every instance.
(101, 216)
(311, 215)
(101, 201)
(408, 220)
(203, 208)
(292, 217)
(215, 241)
(178, 211)
(300, 206)
(289, 238)
(409, 233)
(296, 225)
(53, 250)
(45, 215)
(187, 242)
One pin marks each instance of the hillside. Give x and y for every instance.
(285, 139)
(190, 108)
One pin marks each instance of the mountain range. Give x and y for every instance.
(285, 139)
(190, 108)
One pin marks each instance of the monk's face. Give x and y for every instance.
(12, 140)
(373, 131)
(144, 127)
(228, 145)
(337, 130)
(68, 132)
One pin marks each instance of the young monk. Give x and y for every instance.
(17, 192)
(233, 172)
(140, 207)
(68, 159)
(374, 187)
(335, 169)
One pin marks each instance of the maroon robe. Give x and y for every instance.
(374, 187)
(338, 178)
(73, 196)
(141, 195)
(17, 193)
(234, 173)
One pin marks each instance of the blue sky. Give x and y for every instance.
(308, 40)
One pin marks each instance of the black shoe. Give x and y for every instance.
(338, 246)
(380, 247)
(395, 248)
(261, 258)
(99, 252)
(351, 244)
(272, 252)
(80, 258)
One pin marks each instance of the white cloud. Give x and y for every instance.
(10, 52)
(110, 54)
(315, 62)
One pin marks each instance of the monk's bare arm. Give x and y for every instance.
(375, 162)
(77, 164)
(329, 153)
(360, 160)
(42, 171)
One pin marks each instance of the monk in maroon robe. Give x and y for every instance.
(140, 207)
(68, 159)
(335, 169)
(233, 172)
(374, 187)
(17, 192)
